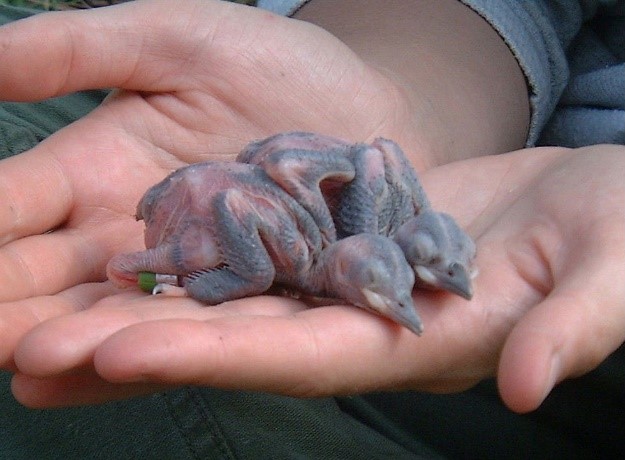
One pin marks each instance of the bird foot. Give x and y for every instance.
(169, 290)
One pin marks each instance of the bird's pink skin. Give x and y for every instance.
(360, 188)
(228, 231)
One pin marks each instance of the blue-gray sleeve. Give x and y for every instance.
(572, 53)
(573, 56)
(283, 7)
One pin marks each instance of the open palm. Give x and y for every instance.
(195, 88)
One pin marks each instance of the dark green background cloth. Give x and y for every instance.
(583, 418)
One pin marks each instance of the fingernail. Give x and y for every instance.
(553, 376)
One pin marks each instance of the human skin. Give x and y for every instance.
(468, 92)
(543, 295)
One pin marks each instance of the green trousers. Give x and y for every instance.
(582, 419)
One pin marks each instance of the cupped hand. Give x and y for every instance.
(195, 85)
(548, 305)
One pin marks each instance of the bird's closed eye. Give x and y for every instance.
(435, 260)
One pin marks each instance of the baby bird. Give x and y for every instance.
(226, 231)
(359, 188)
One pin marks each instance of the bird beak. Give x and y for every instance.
(456, 279)
(401, 311)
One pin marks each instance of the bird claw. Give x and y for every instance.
(169, 290)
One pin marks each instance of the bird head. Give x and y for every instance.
(439, 251)
(371, 272)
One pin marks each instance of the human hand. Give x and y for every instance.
(195, 85)
(548, 305)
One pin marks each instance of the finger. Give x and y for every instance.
(328, 350)
(136, 45)
(75, 50)
(60, 225)
(42, 188)
(83, 332)
(48, 263)
(17, 318)
(572, 331)
(36, 194)
(73, 390)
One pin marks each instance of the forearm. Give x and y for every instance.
(467, 90)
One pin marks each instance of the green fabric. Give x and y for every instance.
(22, 126)
(194, 423)
(138, 428)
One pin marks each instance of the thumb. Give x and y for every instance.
(134, 45)
(569, 333)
